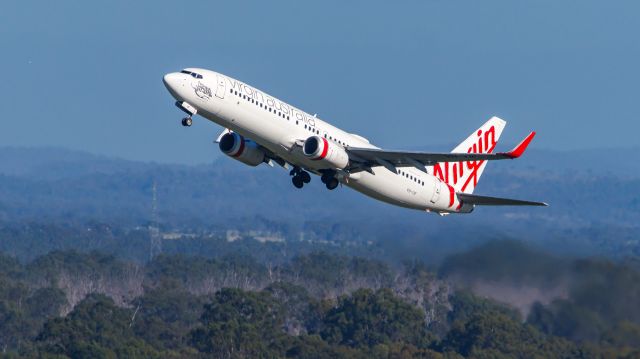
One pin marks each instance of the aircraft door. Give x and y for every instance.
(436, 191)
(221, 88)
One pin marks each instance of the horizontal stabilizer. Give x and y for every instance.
(494, 201)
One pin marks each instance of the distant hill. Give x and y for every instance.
(594, 197)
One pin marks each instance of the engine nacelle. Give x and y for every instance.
(241, 149)
(319, 149)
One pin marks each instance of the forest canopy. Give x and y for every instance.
(81, 305)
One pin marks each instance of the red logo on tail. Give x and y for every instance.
(453, 172)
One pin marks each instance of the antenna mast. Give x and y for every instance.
(155, 241)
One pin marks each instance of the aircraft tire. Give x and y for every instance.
(332, 184)
(306, 177)
(297, 182)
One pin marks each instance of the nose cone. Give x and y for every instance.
(171, 81)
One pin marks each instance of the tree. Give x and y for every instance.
(240, 324)
(298, 308)
(312, 346)
(96, 328)
(492, 334)
(164, 316)
(367, 318)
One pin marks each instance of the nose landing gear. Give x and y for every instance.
(300, 177)
(187, 121)
(189, 110)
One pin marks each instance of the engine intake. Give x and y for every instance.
(315, 147)
(242, 149)
(326, 152)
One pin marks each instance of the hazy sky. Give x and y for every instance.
(87, 74)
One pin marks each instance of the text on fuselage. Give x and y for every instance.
(271, 102)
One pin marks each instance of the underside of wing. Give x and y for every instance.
(495, 201)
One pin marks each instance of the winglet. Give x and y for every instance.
(519, 149)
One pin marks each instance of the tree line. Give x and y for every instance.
(320, 305)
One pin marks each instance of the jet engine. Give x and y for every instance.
(242, 149)
(326, 152)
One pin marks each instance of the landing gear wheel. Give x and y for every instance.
(297, 181)
(306, 177)
(332, 183)
(187, 121)
(327, 176)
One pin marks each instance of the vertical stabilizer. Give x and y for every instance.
(464, 176)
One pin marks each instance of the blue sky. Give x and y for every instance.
(87, 75)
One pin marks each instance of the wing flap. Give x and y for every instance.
(495, 201)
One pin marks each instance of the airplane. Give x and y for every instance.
(260, 128)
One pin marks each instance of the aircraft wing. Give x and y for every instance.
(495, 201)
(378, 157)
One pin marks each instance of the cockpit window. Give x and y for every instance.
(193, 74)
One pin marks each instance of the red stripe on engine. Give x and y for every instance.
(241, 149)
(324, 150)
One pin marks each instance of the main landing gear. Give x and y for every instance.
(187, 121)
(330, 180)
(300, 177)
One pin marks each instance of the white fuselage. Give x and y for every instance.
(278, 126)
